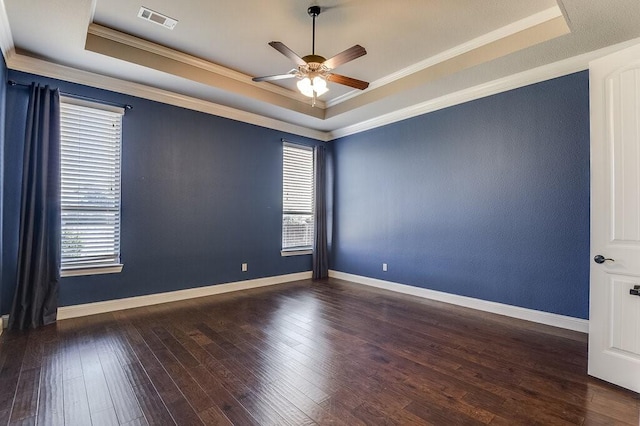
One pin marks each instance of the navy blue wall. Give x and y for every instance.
(488, 199)
(3, 91)
(200, 195)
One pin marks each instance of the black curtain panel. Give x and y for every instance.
(35, 302)
(320, 252)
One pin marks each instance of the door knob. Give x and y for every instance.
(601, 259)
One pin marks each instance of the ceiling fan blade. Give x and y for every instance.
(348, 81)
(280, 47)
(343, 57)
(273, 77)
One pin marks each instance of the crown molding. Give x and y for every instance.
(48, 69)
(525, 78)
(503, 32)
(184, 58)
(41, 67)
(153, 61)
(6, 39)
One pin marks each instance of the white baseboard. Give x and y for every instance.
(75, 311)
(541, 317)
(561, 321)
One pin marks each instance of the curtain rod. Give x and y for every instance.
(71, 95)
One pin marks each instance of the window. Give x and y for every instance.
(297, 199)
(90, 187)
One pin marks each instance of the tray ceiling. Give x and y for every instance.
(418, 50)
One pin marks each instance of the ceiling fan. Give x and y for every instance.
(313, 71)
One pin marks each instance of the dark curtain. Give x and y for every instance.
(35, 302)
(320, 252)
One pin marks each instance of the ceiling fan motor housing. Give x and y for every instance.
(313, 59)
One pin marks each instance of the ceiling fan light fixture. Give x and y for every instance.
(313, 87)
(305, 87)
(320, 85)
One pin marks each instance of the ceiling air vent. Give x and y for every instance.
(156, 18)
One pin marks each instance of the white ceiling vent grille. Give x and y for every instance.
(156, 18)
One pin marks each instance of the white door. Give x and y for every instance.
(614, 317)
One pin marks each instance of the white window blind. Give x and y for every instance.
(90, 141)
(297, 204)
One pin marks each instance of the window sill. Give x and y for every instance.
(91, 270)
(295, 252)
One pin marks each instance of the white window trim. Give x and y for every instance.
(83, 270)
(295, 252)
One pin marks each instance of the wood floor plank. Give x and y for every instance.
(136, 374)
(308, 352)
(602, 403)
(141, 421)
(154, 409)
(26, 397)
(337, 409)
(25, 403)
(193, 393)
(437, 414)
(161, 381)
(290, 374)
(51, 399)
(76, 405)
(149, 400)
(106, 417)
(30, 421)
(213, 416)
(124, 401)
(71, 364)
(309, 407)
(4, 416)
(99, 397)
(10, 372)
(225, 402)
(253, 380)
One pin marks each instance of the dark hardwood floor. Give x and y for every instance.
(303, 353)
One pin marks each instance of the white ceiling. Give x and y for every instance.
(418, 50)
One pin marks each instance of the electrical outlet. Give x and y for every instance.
(384, 267)
(244, 267)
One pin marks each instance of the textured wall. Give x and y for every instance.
(200, 195)
(488, 199)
